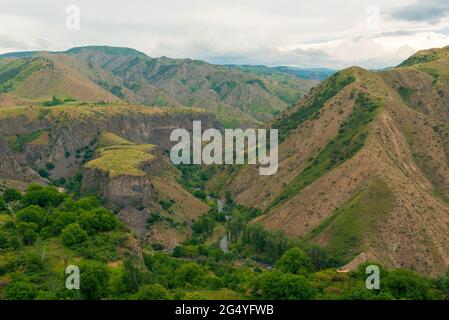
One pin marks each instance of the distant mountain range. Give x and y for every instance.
(237, 95)
(302, 73)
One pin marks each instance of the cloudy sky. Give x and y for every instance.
(318, 33)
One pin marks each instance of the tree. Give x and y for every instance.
(11, 194)
(443, 284)
(94, 278)
(21, 290)
(133, 273)
(179, 251)
(33, 214)
(4, 241)
(73, 235)
(189, 273)
(104, 220)
(269, 244)
(236, 225)
(275, 285)
(204, 225)
(153, 292)
(88, 203)
(2, 204)
(294, 261)
(98, 220)
(58, 220)
(28, 232)
(318, 257)
(49, 166)
(42, 196)
(43, 172)
(361, 293)
(406, 284)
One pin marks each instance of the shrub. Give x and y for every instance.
(98, 220)
(200, 194)
(88, 203)
(153, 292)
(11, 194)
(33, 214)
(405, 284)
(189, 273)
(42, 196)
(179, 251)
(53, 102)
(277, 285)
(2, 204)
(104, 220)
(73, 235)
(28, 232)
(21, 290)
(4, 242)
(43, 173)
(204, 225)
(154, 217)
(49, 166)
(165, 204)
(94, 278)
(294, 261)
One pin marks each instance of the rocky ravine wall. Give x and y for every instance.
(130, 196)
(67, 136)
(118, 191)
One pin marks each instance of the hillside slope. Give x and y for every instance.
(26, 80)
(364, 166)
(101, 73)
(114, 151)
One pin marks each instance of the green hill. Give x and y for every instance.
(238, 96)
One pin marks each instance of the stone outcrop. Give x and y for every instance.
(118, 191)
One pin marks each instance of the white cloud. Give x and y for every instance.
(8, 42)
(305, 33)
(369, 50)
(430, 11)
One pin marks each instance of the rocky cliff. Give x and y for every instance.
(118, 148)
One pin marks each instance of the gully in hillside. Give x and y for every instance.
(212, 153)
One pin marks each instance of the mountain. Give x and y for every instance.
(91, 125)
(363, 157)
(100, 73)
(302, 73)
(363, 166)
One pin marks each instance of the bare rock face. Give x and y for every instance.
(72, 139)
(10, 168)
(135, 219)
(119, 191)
(128, 195)
(70, 136)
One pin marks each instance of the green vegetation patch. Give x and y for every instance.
(123, 159)
(221, 294)
(347, 143)
(17, 71)
(289, 96)
(405, 93)
(326, 92)
(17, 143)
(50, 231)
(108, 139)
(418, 59)
(355, 219)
